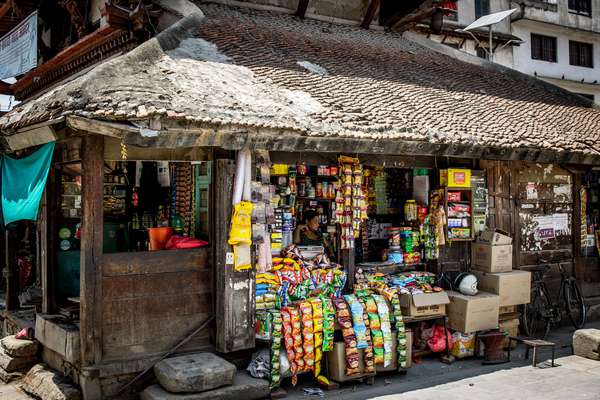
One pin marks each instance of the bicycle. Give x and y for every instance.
(541, 312)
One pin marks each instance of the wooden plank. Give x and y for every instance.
(234, 290)
(42, 245)
(302, 6)
(153, 262)
(371, 11)
(134, 286)
(91, 249)
(112, 151)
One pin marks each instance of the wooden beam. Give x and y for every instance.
(371, 11)
(92, 220)
(401, 23)
(5, 8)
(74, 11)
(302, 6)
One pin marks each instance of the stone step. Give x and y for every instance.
(12, 364)
(19, 347)
(244, 387)
(586, 343)
(47, 384)
(194, 373)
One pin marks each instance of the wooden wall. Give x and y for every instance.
(152, 300)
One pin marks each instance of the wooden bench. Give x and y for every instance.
(532, 343)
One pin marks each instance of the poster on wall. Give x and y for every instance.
(18, 48)
(545, 227)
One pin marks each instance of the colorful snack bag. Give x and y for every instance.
(400, 332)
(343, 318)
(328, 324)
(308, 335)
(275, 349)
(317, 313)
(360, 329)
(288, 341)
(386, 329)
(368, 356)
(297, 337)
(375, 326)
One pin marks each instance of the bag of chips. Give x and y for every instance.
(368, 356)
(308, 344)
(317, 313)
(358, 322)
(276, 333)
(297, 338)
(328, 324)
(343, 318)
(401, 341)
(288, 341)
(386, 329)
(375, 326)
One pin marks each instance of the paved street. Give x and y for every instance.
(12, 392)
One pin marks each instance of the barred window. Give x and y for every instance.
(543, 47)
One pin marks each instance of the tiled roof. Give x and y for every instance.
(248, 68)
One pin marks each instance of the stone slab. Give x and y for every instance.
(12, 364)
(47, 384)
(194, 373)
(586, 343)
(244, 387)
(19, 347)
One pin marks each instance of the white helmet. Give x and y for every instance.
(468, 285)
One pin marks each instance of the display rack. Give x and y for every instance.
(465, 199)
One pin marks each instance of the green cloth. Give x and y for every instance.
(23, 182)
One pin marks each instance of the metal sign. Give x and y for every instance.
(18, 48)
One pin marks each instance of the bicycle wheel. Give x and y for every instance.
(574, 304)
(535, 318)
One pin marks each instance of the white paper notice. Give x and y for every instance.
(532, 193)
(561, 223)
(545, 227)
(562, 190)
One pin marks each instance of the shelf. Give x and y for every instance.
(459, 202)
(314, 199)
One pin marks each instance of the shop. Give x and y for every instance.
(249, 207)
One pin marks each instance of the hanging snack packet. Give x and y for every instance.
(328, 324)
(297, 337)
(375, 326)
(288, 341)
(317, 312)
(276, 326)
(400, 332)
(386, 329)
(368, 356)
(308, 334)
(360, 329)
(343, 318)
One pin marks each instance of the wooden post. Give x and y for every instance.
(91, 249)
(12, 277)
(234, 291)
(373, 7)
(302, 6)
(42, 245)
(349, 263)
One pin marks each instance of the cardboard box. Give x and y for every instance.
(488, 258)
(510, 326)
(469, 314)
(495, 237)
(508, 309)
(512, 287)
(423, 304)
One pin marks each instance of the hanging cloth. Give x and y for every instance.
(23, 182)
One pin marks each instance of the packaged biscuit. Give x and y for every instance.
(328, 324)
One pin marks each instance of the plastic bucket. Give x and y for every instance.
(159, 237)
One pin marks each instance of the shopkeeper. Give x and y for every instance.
(308, 233)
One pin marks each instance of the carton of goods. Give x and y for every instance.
(423, 304)
(512, 287)
(494, 237)
(455, 177)
(489, 258)
(511, 327)
(473, 313)
(337, 364)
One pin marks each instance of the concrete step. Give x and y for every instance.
(244, 387)
(194, 373)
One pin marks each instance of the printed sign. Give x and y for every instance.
(545, 227)
(532, 193)
(18, 48)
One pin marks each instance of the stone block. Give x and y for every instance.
(8, 377)
(19, 347)
(12, 364)
(586, 343)
(44, 383)
(194, 373)
(244, 387)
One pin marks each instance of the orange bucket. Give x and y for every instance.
(159, 237)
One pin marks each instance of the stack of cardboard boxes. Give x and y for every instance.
(492, 265)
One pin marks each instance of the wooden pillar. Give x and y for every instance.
(10, 271)
(302, 6)
(349, 263)
(234, 291)
(373, 7)
(91, 249)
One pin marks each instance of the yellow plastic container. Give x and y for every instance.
(455, 177)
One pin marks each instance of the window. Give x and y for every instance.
(481, 53)
(581, 54)
(482, 7)
(543, 48)
(581, 7)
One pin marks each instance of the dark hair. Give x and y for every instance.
(308, 215)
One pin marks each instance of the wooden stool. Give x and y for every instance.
(532, 343)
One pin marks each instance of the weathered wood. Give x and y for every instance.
(348, 261)
(58, 336)
(10, 273)
(91, 249)
(153, 262)
(235, 300)
(370, 14)
(42, 245)
(302, 6)
(112, 151)
(401, 23)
